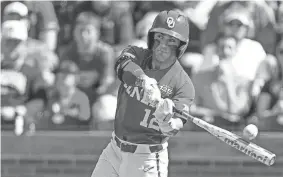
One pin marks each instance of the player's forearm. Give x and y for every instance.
(128, 71)
(131, 73)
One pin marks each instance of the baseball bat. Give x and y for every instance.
(258, 153)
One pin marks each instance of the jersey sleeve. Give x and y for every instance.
(184, 97)
(128, 65)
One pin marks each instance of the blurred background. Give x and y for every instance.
(59, 89)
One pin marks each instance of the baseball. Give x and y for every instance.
(250, 132)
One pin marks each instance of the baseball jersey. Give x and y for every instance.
(134, 121)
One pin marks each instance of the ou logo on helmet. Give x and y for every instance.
(170, 22)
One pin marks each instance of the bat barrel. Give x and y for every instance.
(262, 155)
(271, 161)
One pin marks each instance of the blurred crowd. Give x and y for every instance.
(57, 61)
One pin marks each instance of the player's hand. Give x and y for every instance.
(164, 110)
(151, 94)
(146, 82)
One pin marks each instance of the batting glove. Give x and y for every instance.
(164, 110)
(151, 94)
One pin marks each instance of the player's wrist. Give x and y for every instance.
(164, 110)
(142, 79)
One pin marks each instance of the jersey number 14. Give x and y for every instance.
(152, 122)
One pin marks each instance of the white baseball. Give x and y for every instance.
(250, 131)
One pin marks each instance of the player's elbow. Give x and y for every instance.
(120, 65)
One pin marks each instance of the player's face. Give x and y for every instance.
(165, 47)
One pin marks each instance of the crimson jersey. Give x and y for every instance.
(134, 121)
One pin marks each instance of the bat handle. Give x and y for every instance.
(177, 110)
(183, 113)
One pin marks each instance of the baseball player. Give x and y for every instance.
(153, 81)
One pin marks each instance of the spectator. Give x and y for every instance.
(67, 106)
(268, 83)
(264, 20)
(221, 92)
(117, 24)
(21, 100)
(249, 52)
(43, 24)
(38, 53)
(200, 14)
(64, 11)
(94, 58)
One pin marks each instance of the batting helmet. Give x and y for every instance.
(172, 23)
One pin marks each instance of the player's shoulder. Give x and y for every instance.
(181, 82)
(181, 75)
(181, 78)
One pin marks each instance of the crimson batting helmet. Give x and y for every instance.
(172, 23)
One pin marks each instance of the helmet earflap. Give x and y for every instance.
(182, 49)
